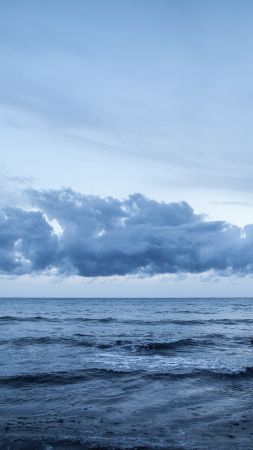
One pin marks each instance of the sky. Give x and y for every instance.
(126, 148)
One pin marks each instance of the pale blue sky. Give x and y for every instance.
(116, 97)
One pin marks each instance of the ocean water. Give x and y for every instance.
(126, 373)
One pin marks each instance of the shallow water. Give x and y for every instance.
(124, 373)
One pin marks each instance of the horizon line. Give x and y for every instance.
(124, 298)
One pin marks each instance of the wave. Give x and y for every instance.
(43, 340)
(79, 376)
(39, 318)
(91, 319)
(78, 340)
(201, 321)
(204, 373)
(163, 346)
(190, 321)
(149, 347)
(246, 372)
(63, 377)
(27, 319)
(54, 319)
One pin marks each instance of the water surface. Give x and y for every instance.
(125, 373)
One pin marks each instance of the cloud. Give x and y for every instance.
(68, 233)
(26, 241)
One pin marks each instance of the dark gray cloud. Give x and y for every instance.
(89, 236)
(26, 241)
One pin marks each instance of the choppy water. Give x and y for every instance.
(124, 373)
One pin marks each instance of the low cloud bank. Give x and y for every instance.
(68, 233)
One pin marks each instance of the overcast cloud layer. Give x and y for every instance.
(68, 233)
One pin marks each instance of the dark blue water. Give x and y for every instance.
(126, 373)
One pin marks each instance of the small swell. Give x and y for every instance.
(163, 346)
(46, 340)
(222, 374)
(206, 340)
(55, 378)
(26, 319)
(78, 340)
(198, 321)
(242, 373)
(87, 340)
(90, 319)
(246, 372)
(172, 321)
(107, 320)
(64, 377)
(54, 319)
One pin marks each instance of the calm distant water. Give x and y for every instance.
(113, 373)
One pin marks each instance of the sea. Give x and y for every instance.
(107, 373)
